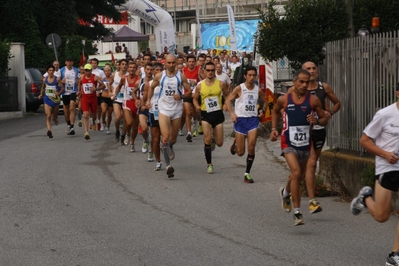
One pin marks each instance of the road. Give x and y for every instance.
(68, 201)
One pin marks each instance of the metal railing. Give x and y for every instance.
(363, 72)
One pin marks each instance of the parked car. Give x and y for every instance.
(33, 84)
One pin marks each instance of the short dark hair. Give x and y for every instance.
(249, 69)
(210, 64)
(300, 71)
(191, 56)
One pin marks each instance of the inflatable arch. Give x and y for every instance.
(157, 17)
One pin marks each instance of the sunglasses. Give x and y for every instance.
(210, 70)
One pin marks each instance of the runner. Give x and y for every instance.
(246, 118)
(70, 79)
(298, 118)
(129, 105)
(87, 89)
(143, 111)
(51, 90)
(154, 118)
(96, 123)
(380, 137)
(170, 106)
(118, 98)
(211, 91)
(193, 74)
(106, 102)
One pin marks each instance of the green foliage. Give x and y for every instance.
(31, 21)
(368, 176)
(386, 10)
(303, 31)
(5, 55)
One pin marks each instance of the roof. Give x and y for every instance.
(125, 34)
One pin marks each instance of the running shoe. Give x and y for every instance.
(98, 126)
(213, 144)
(248, 179)
(170, 171)
(158, 166)
(233, 148)
(87, 137)
(180, 132)
(49, 134)
(195, 132)
(68, 131)
(392, 259)
(80, 124)
(132, 149)
(126, 141)
(189, 138)
(171, 154)
(210, 169)
(108, 131)
(298, 218)
(93, 126)
(123, 139)
(117, 135)
(72, 131)
(102, 128)
(150, 156)
(144, 148)
(314, 206)
(200, 131)
(357, 204)
(286, 200)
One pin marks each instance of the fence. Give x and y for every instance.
(363, 72)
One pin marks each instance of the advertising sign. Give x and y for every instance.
(216, 35)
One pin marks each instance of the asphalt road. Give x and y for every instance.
(68, 201)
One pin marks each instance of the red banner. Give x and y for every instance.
(104, 20)
(109, 21)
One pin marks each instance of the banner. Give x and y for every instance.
(157, 17)
(199, 38)
(216, 35)
(232, 25)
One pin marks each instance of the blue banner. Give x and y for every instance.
(216, 35)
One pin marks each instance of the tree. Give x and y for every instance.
(301, 34)
(386, 10)
(31, 21)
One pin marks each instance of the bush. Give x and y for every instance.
(5, 55)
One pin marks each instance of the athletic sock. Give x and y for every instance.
(250, 160)
(208, 153)
(165, 150)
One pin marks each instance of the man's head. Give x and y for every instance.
(312, 69)
(234, 59)
(148, 70)
(214, 52)
(201, 60)
(191, 62)
(250, 74)
(219, 68)
(208, 59)
(301, 81)
(146, 59)
(88, 69)
(216, 60)
(158, 67)
(94, 63)
(210, 70)
(69, 62)
(123, 64)
(131, 69)
(170, 62)
(56, 65)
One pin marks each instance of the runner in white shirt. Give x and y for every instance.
(99, 73)
(381, 137)
(223, 76)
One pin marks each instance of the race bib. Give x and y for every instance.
(50, 91)
(212, 104)
(129, 93)
(299, 135)
(193, 84)
(86, 88)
